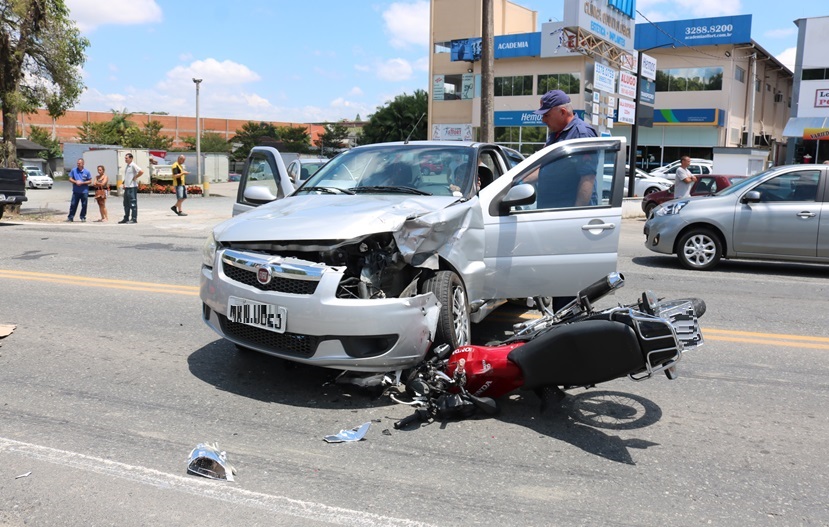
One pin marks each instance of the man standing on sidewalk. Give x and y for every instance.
(684, 180)
(80, 179)
(131, 174)
(179, 182)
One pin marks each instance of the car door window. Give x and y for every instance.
(793, 186)
(705, 169)
(571, 180)
(704, 186)
(261, 174)
(694, 169)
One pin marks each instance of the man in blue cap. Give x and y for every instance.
(557, 113)
(571, 182)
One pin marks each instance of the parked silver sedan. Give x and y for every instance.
(780, 214)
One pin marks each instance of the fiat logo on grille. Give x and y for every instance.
(263, 275)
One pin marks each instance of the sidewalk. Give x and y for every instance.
(52, 206)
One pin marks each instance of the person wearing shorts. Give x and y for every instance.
(179, 177)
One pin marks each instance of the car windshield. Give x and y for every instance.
(421, 169)
(739, 185)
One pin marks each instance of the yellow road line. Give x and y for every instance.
(107, 283)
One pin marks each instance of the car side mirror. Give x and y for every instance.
(259, 194)
(752, 196)
(517, 195)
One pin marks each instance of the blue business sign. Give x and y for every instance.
(689, 116)
(465, 49)
(647, 91)
(696, 32)
(521, 45)
(626, 7)
(525, 118)
(506, 46)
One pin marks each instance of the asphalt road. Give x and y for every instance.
(110, 379)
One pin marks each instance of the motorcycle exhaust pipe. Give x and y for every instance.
(600, 288)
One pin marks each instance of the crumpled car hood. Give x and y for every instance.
(327, 217)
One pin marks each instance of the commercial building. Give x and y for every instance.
(808, 127)
(714, 86)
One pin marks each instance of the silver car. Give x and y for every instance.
(780, 214)
(393, 247)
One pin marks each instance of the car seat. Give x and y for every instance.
(485, 175)
(304, 174)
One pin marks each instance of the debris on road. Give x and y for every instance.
(208, 461)
(346, 436)
(26, 475)
(6, 330)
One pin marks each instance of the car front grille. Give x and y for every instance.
(278, 284)
(286, 343)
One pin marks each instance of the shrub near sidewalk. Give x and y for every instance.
(157, 188)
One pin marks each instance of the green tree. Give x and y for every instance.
(44, 139)
(210, 142)
(403, 117)
(148, 137)
(252, 134)
(294, 139)
(41, 53)
(96, 133)
(333, 140)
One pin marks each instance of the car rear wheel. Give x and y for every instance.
(652, 190)
(453, 322)
(699, 250)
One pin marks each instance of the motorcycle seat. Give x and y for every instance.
(579, 354)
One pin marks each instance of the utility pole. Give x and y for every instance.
(487, 73)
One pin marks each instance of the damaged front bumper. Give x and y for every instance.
(296, 314)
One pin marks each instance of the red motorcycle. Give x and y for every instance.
(574, 347)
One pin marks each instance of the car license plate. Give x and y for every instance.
(257, 314)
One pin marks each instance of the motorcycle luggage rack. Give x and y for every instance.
(649, 330)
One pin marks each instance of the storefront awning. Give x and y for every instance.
(808, 128)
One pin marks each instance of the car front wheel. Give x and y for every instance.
(453, 322)
(699, 249)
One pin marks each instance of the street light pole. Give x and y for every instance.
(206, 185)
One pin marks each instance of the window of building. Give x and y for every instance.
(815, 74)
(566, 82)
(689, 79)
(740, 74)
(757, 85)
(443, 47)
(518, 85)
(452, 87)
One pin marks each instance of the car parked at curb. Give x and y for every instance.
(697, 167)
(35, 178)
(780, 214)
(644, 184)
(371, 261)
(704, 186)
(300, 169)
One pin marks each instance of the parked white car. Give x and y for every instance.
(35, 178)
(697, 167)
(374, 259)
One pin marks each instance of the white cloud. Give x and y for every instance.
(407, 24)
(422, 64)
(394, 70)
(787, 57)
(89, 14)
(355, 91)
(212, 72)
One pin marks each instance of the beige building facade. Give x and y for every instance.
(703, 94)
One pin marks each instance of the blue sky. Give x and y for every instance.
(321, 60)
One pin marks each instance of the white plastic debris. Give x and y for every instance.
(346, 436)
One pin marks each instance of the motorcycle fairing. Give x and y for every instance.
(582, 354)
